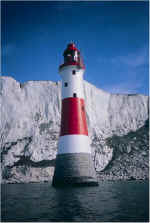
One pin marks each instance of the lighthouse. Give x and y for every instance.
(74, 164)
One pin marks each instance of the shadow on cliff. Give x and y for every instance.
(26, 161)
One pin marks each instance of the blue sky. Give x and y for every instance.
(112, 36)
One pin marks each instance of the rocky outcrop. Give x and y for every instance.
(130, 156)
(30, 123)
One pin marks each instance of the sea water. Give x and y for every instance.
(114, 201)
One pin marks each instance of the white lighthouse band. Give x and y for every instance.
(72, 82)
(74, 144)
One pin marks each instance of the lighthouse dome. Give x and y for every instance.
(72, 57)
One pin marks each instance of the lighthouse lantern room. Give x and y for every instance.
(74, 164)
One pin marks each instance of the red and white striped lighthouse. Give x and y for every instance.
(74, 164)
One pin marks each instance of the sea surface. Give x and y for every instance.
(114, 201)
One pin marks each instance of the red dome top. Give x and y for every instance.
(71, 46)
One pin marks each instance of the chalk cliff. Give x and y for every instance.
(30, 123)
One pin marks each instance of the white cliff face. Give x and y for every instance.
(30, 123)
(109, 114)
